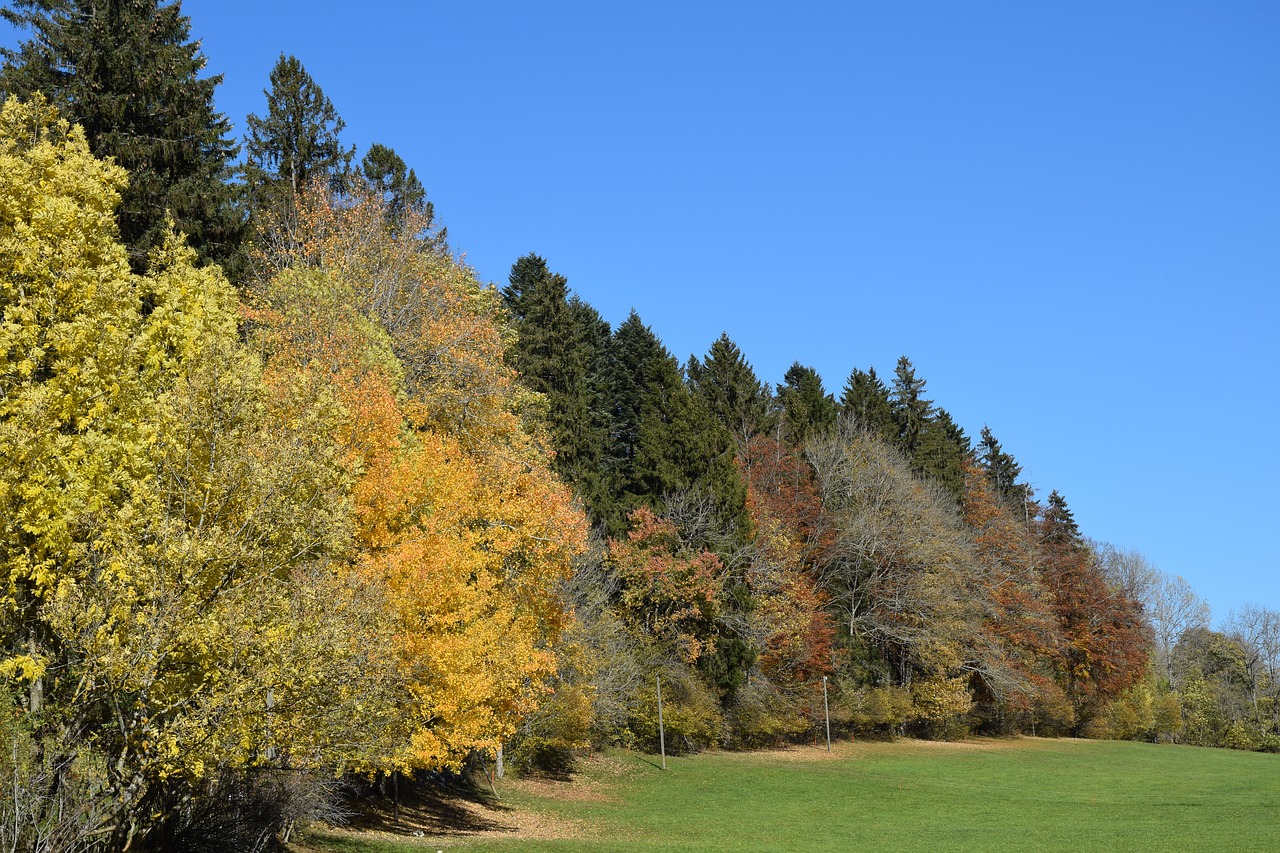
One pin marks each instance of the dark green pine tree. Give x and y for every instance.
(729, 387)
(386, 172)
(129, 74)
(560, 351)
(865, 402)
(911, 411)
(1001, 468)
(941, 452)
(296, 143)
(664, 441)
(807, 409)
(1059, 524)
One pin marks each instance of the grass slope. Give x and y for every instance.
(1018, 795)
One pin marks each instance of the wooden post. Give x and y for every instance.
(662, 735)
(36, 697)
(271, 704)
(826, 710)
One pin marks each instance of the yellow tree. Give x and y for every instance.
(167, 518)
(456, 512)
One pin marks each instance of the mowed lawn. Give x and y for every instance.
(1015, 795)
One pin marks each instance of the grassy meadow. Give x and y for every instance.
(988, 795)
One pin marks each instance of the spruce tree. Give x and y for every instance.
(295, 143)
(128, 73)
(387, 173)
(1001, 468)
(911, 410)
(665, 441)
(866, 402)
(729, 387)
(560, 352)
(1059, 524)
(807, 409)
(941, 453)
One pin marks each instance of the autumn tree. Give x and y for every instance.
(1104, 645)
(1257, 630)
(1211, 671)
(900, 572)
(456, 511)
(1022, 637)
(166, 508)
(1173, 608)
(129, 74)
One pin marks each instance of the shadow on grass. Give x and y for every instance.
(431, 805)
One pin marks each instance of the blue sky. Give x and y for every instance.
(1066, 215)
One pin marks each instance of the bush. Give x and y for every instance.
(690, 710)
(762, 716)
(551, 737)
(942, 706)
(1240, 735)
(878, 710)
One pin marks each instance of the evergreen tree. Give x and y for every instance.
(1059, 524)
(866, 401)
(390, 176)
(941, 453)
(128, 73)
(560, 352)
(807, 409)
(295, 143)
(665, 442)
(911, 410)
(730, 389)
(1001, 468)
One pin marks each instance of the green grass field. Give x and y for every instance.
(1019, 795)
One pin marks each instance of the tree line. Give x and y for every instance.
(290, 495)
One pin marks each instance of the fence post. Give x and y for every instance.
(826, 710)
(662, 735)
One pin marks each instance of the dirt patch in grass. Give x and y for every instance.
(438, 814)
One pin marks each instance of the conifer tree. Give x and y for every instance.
(295, 143)
(911, 410)
(129, 74)
(664, 440)
(942, 451)
(729, 387)
(401, 191)
(807, 409)
(866, 401)
(560, 352)
(1001, 468)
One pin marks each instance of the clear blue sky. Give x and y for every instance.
(1066, 215)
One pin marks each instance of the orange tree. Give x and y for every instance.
(456, 512)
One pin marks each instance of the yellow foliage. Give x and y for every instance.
(456, 515)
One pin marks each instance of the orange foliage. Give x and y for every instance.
(786, 513)
(453, 509)
(668, 591)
